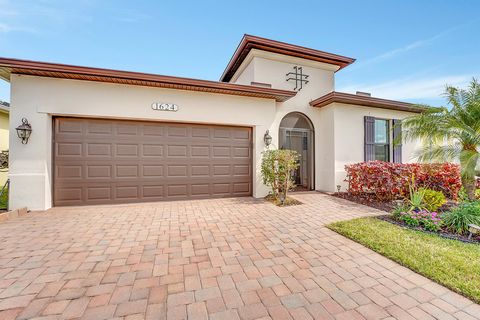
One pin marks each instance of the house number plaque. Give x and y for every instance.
(164, 106)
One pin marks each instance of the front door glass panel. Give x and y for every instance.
(296, 133)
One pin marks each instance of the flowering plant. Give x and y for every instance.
(430, 221)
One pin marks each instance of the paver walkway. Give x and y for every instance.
(224, 259)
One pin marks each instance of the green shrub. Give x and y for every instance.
(458, 219)
(415, 200)
(3, 199)
(433, 199)
(277, 169)
(477, 194)
(462, 195)
(399, 208)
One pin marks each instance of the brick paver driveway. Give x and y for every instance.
(223, 259)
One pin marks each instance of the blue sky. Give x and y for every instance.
(405, 50)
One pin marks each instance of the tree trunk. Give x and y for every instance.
(469, 185)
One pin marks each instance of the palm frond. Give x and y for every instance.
(438, 153)
(469, 161)
(449, 134)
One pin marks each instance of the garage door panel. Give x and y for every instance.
(99, 149)
(177, 151)
(112, 161)
(69, 149)
(221, 188)
(177, 131)
(152, 150)
(154, 191)
(70, 126)
(242, 135)
(99, 193)
(222, 133)
(177, 190)
(152, 130)
(99, 127)
(126, 171)
(125, 129)
(126, 150)
(241, 170)
(243, 152)
(99, 171)
(126, 192)
(153, 171)
(69, 172)
(200, 151)
(200, 170)
(221, 152)
(69, 195)
(201, 132)
(241, 187)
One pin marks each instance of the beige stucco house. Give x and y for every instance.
(105, 136)
(4, 129)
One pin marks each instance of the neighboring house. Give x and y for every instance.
(4, 113)
(106, 136)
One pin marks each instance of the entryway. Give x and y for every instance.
(296, 133)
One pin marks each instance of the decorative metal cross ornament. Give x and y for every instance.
(297, 76)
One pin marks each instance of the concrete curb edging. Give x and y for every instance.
(13, 214)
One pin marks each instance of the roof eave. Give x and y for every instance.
(249, 42)
(353, 99)
(53, 70)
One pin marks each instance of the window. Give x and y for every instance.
(378, 134)
(382, 140)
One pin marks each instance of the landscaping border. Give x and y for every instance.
(388, 219)
(9, 215)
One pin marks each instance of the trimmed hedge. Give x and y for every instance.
(388, 181)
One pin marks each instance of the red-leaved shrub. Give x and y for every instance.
(388, 181)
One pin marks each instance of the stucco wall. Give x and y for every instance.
(272, 69)
(338, 137)
(3, 143)
(349, 136)
(247, 75)
(39, 98)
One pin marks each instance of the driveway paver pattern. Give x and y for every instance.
(238, 258)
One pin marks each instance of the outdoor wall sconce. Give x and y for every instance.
(267, 139)
(24, 130)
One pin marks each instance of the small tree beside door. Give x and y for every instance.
(277, 169)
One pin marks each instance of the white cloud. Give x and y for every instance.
(4, 28)
(408, 88)
(409, 47)
(7, 28)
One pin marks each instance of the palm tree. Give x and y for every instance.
(450, 133)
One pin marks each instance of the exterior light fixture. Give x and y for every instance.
(267, 139)
(24, 130)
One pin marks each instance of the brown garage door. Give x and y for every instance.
(114, 161)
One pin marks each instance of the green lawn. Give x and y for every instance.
(451, 263)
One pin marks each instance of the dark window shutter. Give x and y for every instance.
(369, 129)
(397, 140)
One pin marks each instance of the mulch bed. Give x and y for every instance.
(366, 200)
(386, 206)
(288, 202)
(442, 233)
(390, 205)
